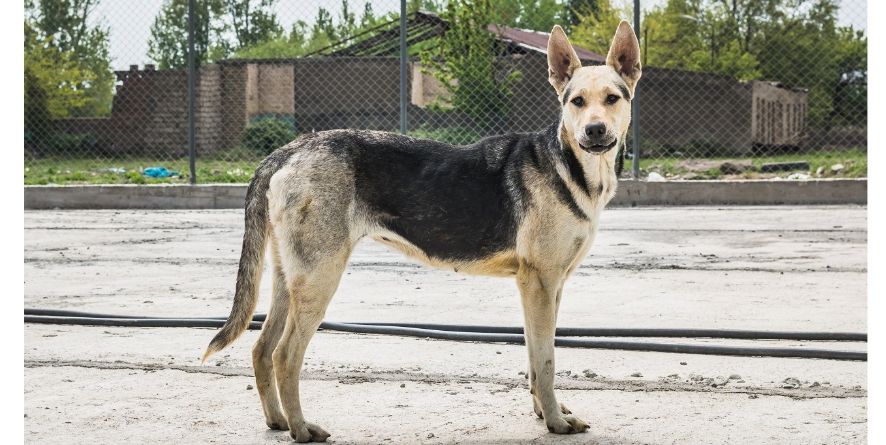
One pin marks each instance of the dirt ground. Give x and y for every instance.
(774, 268)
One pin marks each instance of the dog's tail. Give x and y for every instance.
(251, 263)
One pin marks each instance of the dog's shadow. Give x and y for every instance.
(587, 438)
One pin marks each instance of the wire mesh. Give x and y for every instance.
(730, 89)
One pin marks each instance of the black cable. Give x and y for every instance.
(648, 332)
(46, 316)
(561, 332)
(598, 344)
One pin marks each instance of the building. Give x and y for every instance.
(356, 85)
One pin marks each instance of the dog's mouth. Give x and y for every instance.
(598, 148)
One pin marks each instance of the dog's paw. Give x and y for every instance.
(279, 425)
(308, 432)
(567, 424)
(537, 409)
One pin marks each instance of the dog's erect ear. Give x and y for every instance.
(562, 59)
(624, 54)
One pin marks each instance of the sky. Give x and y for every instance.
(130, 20)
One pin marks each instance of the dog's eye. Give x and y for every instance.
(578, 101)
(611, 99)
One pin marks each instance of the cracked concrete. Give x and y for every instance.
(776, 268)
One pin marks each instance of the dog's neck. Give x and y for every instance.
(598, 168)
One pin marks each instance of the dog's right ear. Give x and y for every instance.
(624, 54)
(562, 59)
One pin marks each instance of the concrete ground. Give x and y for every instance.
(775, 268)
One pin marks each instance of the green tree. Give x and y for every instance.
(573, 9)
(466, 62)
(796, 42)
(809, 50)
(304, 38)
(253, 21)
(168, 43)
(595, 26)
(368, 19)
(249, 22)
(324, 27)
(68, 57)
(536, 15)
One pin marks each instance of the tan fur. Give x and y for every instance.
(314, 221)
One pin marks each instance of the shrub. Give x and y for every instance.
(72, 144)
(266, 135)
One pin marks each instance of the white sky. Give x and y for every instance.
(130, 20)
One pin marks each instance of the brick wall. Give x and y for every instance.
(678, 108)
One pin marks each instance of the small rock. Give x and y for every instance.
(799, 176)
(734, 377)
(249, 387)
(815, 385)
(819, 171)
(753, 396)
(402, 385)
(784, 166)
(636, 374)
(431, 435)
(589, 374)
(837, 168)
(735, 168)
(683, 363)
(790, 383)
(498, 352)
(655, 177)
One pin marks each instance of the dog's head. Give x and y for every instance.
(596, 100)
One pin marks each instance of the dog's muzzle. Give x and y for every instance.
(598, 148)
(596, 139)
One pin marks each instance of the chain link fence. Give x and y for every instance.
(730, 88)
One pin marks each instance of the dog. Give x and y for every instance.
(519, 205)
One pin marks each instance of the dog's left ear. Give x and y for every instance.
(624, 54)
(562, 59)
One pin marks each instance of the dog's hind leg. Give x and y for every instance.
(272, 330)
(310, 294)
(540, 292)
(312, 229)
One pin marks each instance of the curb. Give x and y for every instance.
(630, 194)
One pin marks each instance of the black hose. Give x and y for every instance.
(648, 332)
(494, 334)
(561, 332)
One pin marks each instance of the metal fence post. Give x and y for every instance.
(403, 68)
(192, 149)
(635, 105)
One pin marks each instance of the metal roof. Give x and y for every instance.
(538, 41)
(384, 39)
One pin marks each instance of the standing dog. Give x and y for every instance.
(524, 205)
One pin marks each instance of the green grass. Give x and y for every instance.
(216, 169)
(855, 163)
(71, 171)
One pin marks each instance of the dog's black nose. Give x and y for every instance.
(595, 130)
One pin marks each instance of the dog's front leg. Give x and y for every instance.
(540, 294)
